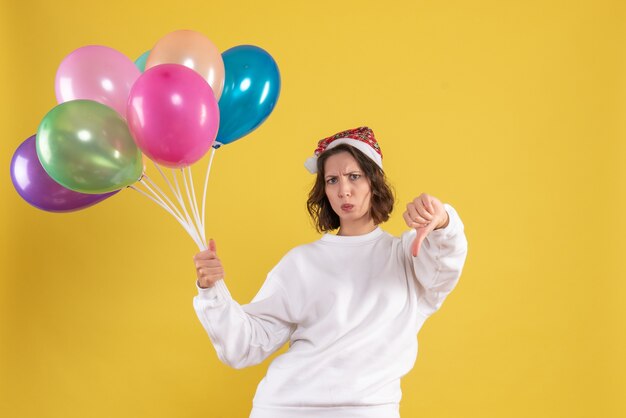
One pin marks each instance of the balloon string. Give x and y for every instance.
(206, 181)
(171, 205)
(189, 227)
(168, 182)
(183, 224)
(190, 200)
(196, 213)
(182, 202)
(179, 197)
(158, 197)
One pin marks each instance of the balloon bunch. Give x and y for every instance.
(171, 105)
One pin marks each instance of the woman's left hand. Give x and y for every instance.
(425, 213)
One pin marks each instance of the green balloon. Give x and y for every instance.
(141, 61)
(86, 146)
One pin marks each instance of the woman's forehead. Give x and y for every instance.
(342, 161)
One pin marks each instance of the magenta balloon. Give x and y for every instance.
(96, 73)
(36, 187)
(173, 115)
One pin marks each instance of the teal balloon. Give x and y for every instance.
(141, 61)
(251, 90)
(87, 147)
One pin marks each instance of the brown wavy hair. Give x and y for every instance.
(381, 204)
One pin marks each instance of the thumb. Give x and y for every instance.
(417, 242)
(212, 246)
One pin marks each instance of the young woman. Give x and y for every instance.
(349, 304)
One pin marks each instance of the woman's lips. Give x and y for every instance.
(347, 207)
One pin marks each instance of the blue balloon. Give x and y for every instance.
(141, 61)
(251, 89)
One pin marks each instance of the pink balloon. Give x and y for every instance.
(96, 73)
(173, 115)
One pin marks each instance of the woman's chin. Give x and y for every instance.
(351, 216)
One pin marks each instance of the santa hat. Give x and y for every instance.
(361, 138)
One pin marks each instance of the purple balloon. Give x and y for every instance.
(37, 188)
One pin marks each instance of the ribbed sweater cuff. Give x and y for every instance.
(454, 226)
(218, 292)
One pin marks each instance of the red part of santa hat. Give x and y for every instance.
(361, 138)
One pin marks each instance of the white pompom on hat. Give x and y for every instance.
(361, 138)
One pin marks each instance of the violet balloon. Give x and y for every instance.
(173, 115)
(37, 188)
(98, 73)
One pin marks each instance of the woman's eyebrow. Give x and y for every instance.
(345, 174)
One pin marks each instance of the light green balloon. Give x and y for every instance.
(141, 61)
(86, 146)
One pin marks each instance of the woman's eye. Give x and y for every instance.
(331, 180)
(354, 176)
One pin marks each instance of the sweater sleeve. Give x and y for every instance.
(439, 264)
(245, 335)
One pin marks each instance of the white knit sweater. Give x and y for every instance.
(350, 307)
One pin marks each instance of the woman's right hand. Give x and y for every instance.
(208, 267)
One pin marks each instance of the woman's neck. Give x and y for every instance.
(361, 227)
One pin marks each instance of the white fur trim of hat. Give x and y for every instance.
(366, 143)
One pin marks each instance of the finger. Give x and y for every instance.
(212, 246)
(211, 272)
(208, 263)
(205, 256)
(417, 242)
(420, 223)
(409, 222)
(419, 238)
(414, 215)
(424, 213)
(422, 233)
(420, 206)
(427, 202)
(214, 264)
(214, 277)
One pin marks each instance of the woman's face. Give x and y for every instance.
(347, 188)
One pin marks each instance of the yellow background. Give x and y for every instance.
(511, 111)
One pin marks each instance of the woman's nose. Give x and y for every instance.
(344, 189)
